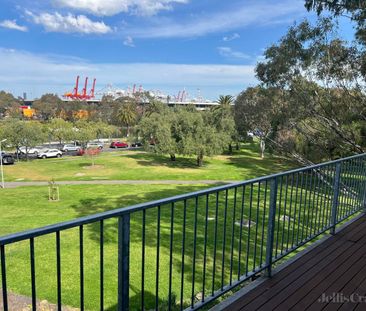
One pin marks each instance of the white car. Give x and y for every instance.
(50, 153)
(33, 150)
(95, 144)
(70, 147)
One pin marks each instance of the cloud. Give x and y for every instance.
(129, 42)
(69, 23)
(113, 7)
(38, 74)
(12, 24)
(232, 37)
(230, 53)
(257, 13)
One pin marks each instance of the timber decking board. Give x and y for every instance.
(338, 265)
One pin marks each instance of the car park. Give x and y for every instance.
(70, 147)
(50, 153)
(118, 144)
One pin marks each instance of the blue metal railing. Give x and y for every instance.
(195, 247)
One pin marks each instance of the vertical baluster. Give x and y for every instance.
(316, 204)
(194, 251)
(249, 227)
(241, 231)
(263, 222)
(295, 210)
(171, 255)
(157, 261)
(279, 216)
(101, 260)
(271, 225)
(321, 206)
(310, 204)
(205, 251)
(256, 227)
(3, 278)
(33, 274)
(81, 246)
(284, 215)
(232, 238)
(143, 259)
(58, 260)
(335, 197)
(215, 244)
(290, 212)
(305, 204)
(183, 254)
(123, 262)
(224, 242)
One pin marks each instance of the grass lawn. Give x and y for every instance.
(132, 165)
(28, 207)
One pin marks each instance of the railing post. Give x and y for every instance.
(271, 225)
(123, 262)
(335, 198)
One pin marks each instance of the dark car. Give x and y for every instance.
(7, 159)
(136, 144)
(118, 144)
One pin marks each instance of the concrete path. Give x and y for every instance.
(16, 184)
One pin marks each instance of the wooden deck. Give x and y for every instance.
(331, 276)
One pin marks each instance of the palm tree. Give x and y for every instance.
(127, 115)
(224, 101)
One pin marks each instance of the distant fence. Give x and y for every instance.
(183, 252)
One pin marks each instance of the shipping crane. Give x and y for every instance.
(75, 95)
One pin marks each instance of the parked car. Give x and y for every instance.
(94, 144)
(6, 159)
(50, 153)
(70, 147)
(33, 150)
(136, 144)
(118, 144)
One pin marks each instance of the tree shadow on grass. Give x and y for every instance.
(151, 159)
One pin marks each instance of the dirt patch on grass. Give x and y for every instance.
(93, 167)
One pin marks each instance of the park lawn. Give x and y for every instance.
(28, 207)
(137, 165)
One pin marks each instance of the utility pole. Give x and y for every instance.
(1, 164)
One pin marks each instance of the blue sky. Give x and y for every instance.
(211, 45)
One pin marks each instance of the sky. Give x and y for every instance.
(207, 47)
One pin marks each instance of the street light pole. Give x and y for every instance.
(1, 165)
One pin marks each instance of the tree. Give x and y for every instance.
(255, 111)
(23, 133)
(353, 9)
(60, 129)
(126, 114)
(158, 128)
(84, 132)
(8, 104)
(184, 131)
(223, 118)
(319, 79)
(48, 106)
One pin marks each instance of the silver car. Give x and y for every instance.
(70, 147)
(50, 153)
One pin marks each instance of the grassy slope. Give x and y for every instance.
(125, 165)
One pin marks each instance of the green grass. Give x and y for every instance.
(135, 165)
(28, 207)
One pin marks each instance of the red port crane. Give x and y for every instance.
(83, 96)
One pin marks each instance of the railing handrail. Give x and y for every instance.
(32, 233)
